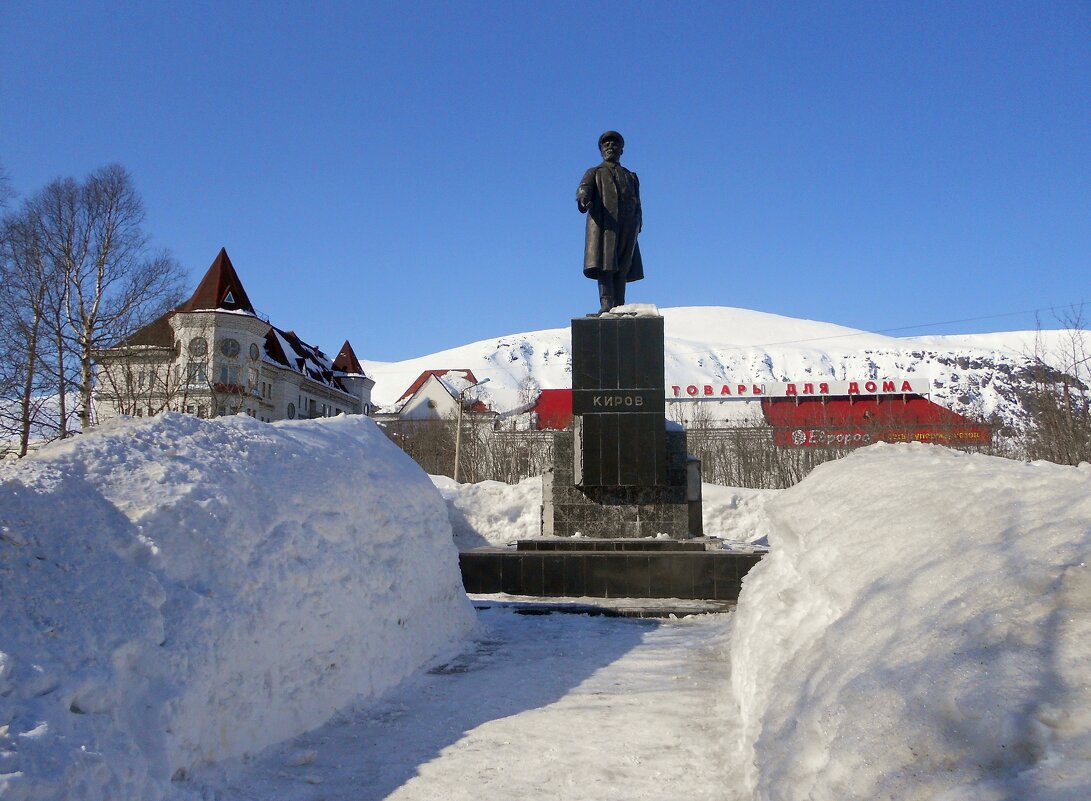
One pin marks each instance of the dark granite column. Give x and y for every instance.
(618, 401)
(620, 472)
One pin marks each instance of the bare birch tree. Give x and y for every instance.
(22, 312)
(92, 234)
(6, 192)
(1060, 404)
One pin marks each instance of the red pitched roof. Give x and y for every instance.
(219, 289)
(346, 361)
(468, 375)
(157, 333)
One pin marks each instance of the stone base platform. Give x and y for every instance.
(596, 572)
(624, 512)
(582, 544)
(601, 607)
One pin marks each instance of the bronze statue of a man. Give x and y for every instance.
(610, 197)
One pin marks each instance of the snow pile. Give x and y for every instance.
(498, 514)
(491, 512)
(736, 514)
(180, 590)
(920, 630)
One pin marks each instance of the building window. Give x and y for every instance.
(291, 411)
(201, 411)
(229, 374)
(195, 373)
(230, 348)
(198, 346)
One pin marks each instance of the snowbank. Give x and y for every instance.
(492, 512)
(498, 514)
(180, 590)
(920, 630)
(736, 514)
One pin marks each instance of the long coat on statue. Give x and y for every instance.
(613, 221)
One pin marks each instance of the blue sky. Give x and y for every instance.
(404, 174)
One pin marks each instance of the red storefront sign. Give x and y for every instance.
(853, 423)
(792, 389)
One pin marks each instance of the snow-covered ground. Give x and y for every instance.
(178, 594)
(921, 628)
(539, 708)
(177, 591)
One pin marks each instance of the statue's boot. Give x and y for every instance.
(606, 294)
(619, 289)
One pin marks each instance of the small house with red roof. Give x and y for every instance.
(214, 355)
(434, 395)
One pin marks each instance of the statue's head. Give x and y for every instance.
(611, 145)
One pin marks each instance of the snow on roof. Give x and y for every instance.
(221, 292)
(453, 380)
(286, 349)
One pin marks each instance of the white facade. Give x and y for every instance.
(433, 401)
(211, 361)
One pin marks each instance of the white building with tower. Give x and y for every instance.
(214, 355)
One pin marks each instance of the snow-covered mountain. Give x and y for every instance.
(980, 375)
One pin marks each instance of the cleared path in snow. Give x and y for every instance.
(551, 707)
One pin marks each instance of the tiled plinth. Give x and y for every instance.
(711, 575)
(581, 544)
(607, 512)
(621, 471)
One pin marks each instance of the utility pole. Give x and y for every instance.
(458, 430)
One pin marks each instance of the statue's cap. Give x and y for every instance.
(612, 135)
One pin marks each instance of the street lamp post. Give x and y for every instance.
(458, 430)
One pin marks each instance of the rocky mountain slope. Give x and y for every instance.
(984, 376)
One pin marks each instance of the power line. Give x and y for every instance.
(984, 317)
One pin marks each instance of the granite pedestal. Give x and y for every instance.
(620, 471)
(621, 480)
